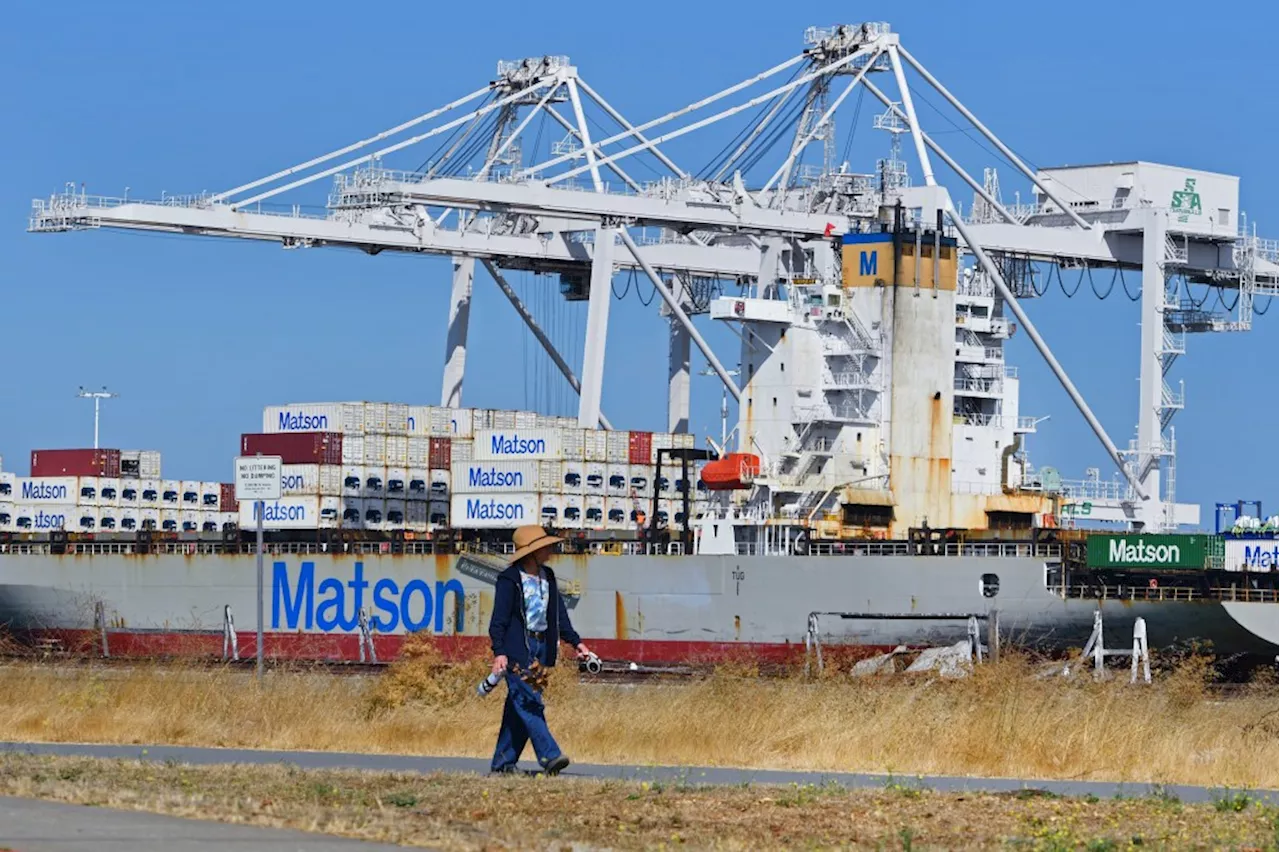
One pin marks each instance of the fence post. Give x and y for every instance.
(993, 635)
(230, 642)
(100, 622)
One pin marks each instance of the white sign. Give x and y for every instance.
(258, 477)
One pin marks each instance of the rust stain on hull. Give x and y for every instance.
(619, 617)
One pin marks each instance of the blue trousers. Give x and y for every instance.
(524, 720)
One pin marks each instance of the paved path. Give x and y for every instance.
(670, 774)
(31, 825)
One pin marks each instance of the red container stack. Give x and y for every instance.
(295, 447)
(440, 454)
(227, 497)
(640, 450)
(75, 463)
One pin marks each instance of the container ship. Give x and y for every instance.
(875, 490)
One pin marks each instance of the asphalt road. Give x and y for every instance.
(31, 825)
(668, 774)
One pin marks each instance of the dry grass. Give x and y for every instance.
(1000, 722)
(470, 812)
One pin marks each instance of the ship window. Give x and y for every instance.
(775, 402)
(87, 493)
(990, 585)
(108, 494)
(1224, 216)
(171, 496)
(782, 367)
(190, 497)
(593, 514)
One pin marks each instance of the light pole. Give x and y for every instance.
(97, 397)
(724, 406)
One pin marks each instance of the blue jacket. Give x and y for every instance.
(507, 626)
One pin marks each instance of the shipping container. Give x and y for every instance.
(572, 474)
(210, 496)
(617, 479)
(455, 423)
(353, 449)
(461, 449)
(438, 514)
(295, 447)
(618, 513)
(416, 516)
(149, 518)
(593, 514)
(84, 519)
(397, 483)
(375, 483)
(129, 519)
(343, 417)
(397, 451)
(62, 490)
(419, 451)
(595, 476)
(1185, 552)
(504, 421)
(373, 513)
(87, 491)
(395, 519)
(315, 480)
(375, 418)
(352, 480)
(227, 502)
(419, 481)
(44, 517)
(551, 510)
(618, 447)
(170, 520)
(440, 453)
(595, 444)
(571, 517)
(191, 493)
(439, 484)
(8, 485)
(89, 462)
(494, 511)
(6, 517)
(550, 475)
(140, 464)
(149, 491)
(1251, 554)
(375, 450)
(109, 491)
(487, 477)
(170, 493)
(418, 420)
(191, 520)
(397, 418)
(527, 420)
(516, 444)
(352, 515)
(300, 513)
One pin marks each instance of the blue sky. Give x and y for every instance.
(197, 335)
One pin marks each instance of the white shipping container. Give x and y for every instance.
(8, 485)
(596, 473)
(438, 514)
(190, 494)
(618, 513)
(60, 490)
(397, 483)
(140, 464)
(345, 417)
(529, 420)
(44, 517)
(298, 480)
(420, 481)
(455, 422)
(419, 452)
(594, 445)
(170, 520)
(572, 474)
(108, 491)
(373, 513)
(375, 450)
(130, 519)
(353, 449)
(225, 518)
(352, 481)
(616, 479)
(418, 420)
(1251, 554)
(461, 449)
(375, 483)
(593, 516)
(551, 510)
(170, 493)
(684, 440)
(109, 518)
(397, 451)
(149, 519)
(439, 484)
(516, 444)
(190, 521)
(150, 491)
(286, 513)
(494, 511)
(210, 496)
(7, 518)
(375, 418)
(546, 421)
(83, 519)
(618, 447)
(504, 420)
(572, 516)
(397, 418)
(490, 477)
(351, 513)
(550, 475)
(641, 481)
(130, 492)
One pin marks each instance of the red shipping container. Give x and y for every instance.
(295, 447)
(640, 450)
(440, 454)
(75, 463)
(227, 497)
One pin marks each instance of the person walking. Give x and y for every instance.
(529, 621)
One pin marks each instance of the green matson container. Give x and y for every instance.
(1134, 550)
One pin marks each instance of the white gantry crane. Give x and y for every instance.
(759, 214)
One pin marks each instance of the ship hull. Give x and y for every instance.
(646, 609)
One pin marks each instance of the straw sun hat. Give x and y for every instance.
(529, 539)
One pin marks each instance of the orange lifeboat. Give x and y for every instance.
(734, 471)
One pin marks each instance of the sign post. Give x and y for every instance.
(258, 479)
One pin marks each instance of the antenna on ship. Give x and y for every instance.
(97, 397)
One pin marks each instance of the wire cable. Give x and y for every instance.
(1223, 302)
(1263, 312)
(1094, 287)
(1125, 285)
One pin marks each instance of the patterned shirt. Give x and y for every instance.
(535, 600)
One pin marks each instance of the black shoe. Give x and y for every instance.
(509, 769)
(557, 764)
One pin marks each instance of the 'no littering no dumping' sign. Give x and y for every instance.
(258, 477)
